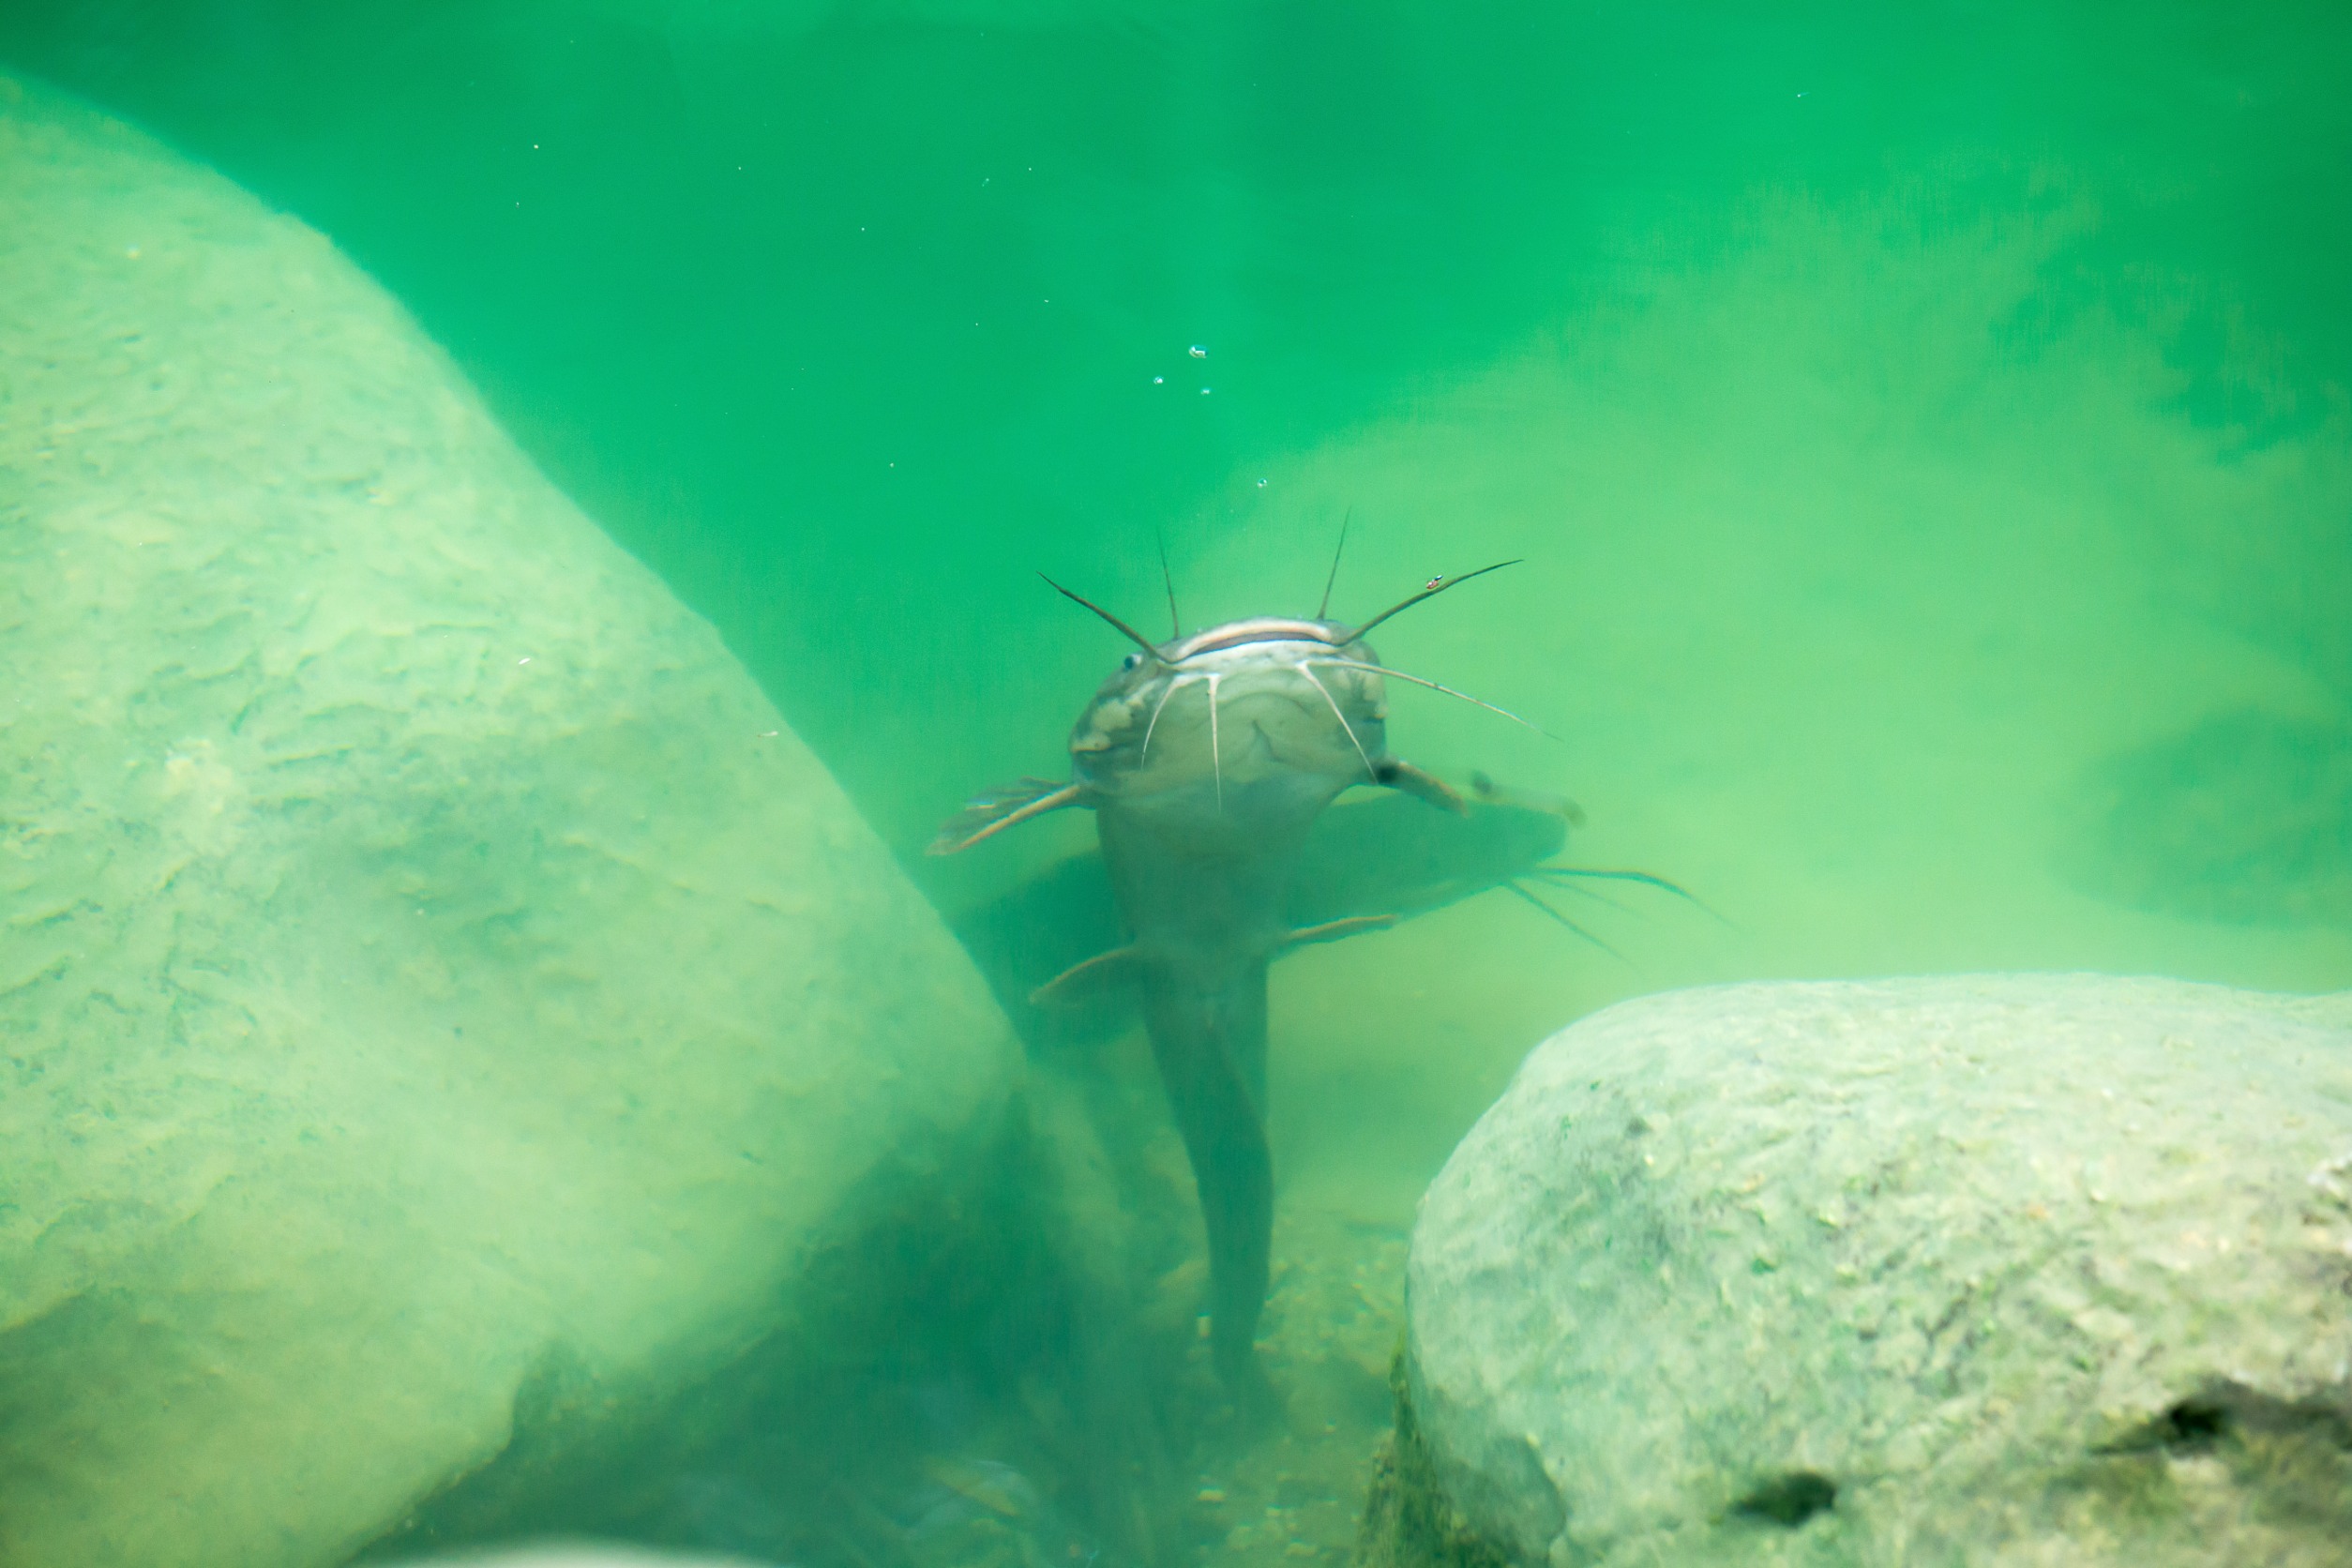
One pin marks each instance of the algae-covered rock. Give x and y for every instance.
(428, 968)
(2028, 1270)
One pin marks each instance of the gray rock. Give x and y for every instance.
(429, 971)
(2034, 1270)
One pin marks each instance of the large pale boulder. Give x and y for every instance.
(2026, 1270)
(428, 967)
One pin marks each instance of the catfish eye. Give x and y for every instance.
(1131, 661)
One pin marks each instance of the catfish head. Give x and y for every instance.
(1264, 715)
(1247, 716)
(1266, 703)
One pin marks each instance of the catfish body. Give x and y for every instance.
(1205, 787)
(1383, 854)
(1207, 761)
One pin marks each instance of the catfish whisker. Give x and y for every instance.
(1166, 692)
(1167, 580)
(1558, 876)
(1417, 679)
(1564, 886)
(1428, 593)
(1563, 874)
(1593, 873)
(1369, 771)
(1515, 888)
(1138, 638)
(1217, 759)
(1323, 609)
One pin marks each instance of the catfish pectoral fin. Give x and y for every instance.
(1492, 793)
(1116, 967)
(1402, 775)
(1332, 930)
(998, 809)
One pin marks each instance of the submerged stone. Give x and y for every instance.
(439, 997)
(2052, 1270)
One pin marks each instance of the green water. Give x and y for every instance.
(1927, 431)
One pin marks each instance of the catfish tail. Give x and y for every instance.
(1209, 1043)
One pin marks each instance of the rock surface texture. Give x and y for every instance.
(2016, 1269)
(430, 974)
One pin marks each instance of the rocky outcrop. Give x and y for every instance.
(2034, 1270)
(431, 976)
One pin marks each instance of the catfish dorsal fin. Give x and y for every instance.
(1117, 967)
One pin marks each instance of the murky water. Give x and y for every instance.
(1926, 431)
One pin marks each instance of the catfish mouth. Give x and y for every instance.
(1241, 634)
